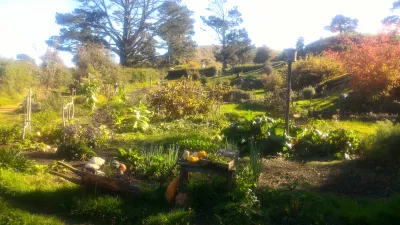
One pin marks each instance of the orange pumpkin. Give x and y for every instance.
(171, 190)
(202, 154)
(193, 159)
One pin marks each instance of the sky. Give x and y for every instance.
(25, 25)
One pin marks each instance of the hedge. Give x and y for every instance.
(179, 73)
(246, 68)
(208, 71)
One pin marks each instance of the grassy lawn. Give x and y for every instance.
(238, 109)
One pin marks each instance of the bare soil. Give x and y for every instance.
(348, 178)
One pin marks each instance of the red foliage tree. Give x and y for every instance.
(374, 63)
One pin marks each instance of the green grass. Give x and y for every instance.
(12, 215)
(236, 109)
(364, 128)
(317, 104)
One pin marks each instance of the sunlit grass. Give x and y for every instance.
(235, 109)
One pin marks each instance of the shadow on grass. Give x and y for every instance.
(79, 205)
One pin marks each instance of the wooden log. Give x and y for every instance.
(74, 170)
(72, 179)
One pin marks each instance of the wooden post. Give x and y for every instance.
(63, 114)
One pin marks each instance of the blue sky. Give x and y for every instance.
(26, 24)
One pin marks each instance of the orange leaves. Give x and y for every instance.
(374, 63)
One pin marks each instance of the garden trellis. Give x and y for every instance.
(68, 110)
(28, 113)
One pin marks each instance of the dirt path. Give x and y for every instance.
(8, 108)
(347, 178)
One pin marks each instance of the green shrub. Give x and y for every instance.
(273, 82)
(383, 147)
(265, 131)
(181, 98)
(208, 71)
(11, 158)
(246, 68)
(177, 74)
(308, 92)
(236, 95)
(140, 75)
(89, 135)
(75, 151)
(9, 134)
(333, 144)
(314, 70)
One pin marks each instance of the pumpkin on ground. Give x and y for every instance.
(171, 190)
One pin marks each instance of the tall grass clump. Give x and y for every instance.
(383, 147)
(256, 163)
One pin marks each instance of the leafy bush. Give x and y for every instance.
(11, 158)
(314, 70)
(335, 143)
(236, 95)
(9, 134)
(88, 135)
(76, 151)
(375, 71)
(180, 98)
(140, 75)
(308, 92)
(383, 147)
(275, 100)
(267, 132)
(246, 68)
(273, 82)
(129, 119)
(208, 71)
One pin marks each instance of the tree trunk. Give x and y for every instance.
(224, 63)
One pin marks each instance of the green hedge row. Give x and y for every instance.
(246, 68)
(179, 73)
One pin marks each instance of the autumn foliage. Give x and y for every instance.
(373, 62)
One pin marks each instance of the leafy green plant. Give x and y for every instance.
(216, 157)
(137, 118)
(9, 133)
(77, 151)
(335, 143)
(256, 161)
(198, 145)
(153, 162)
(89, 89)
(265, 131)
(11, 158)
